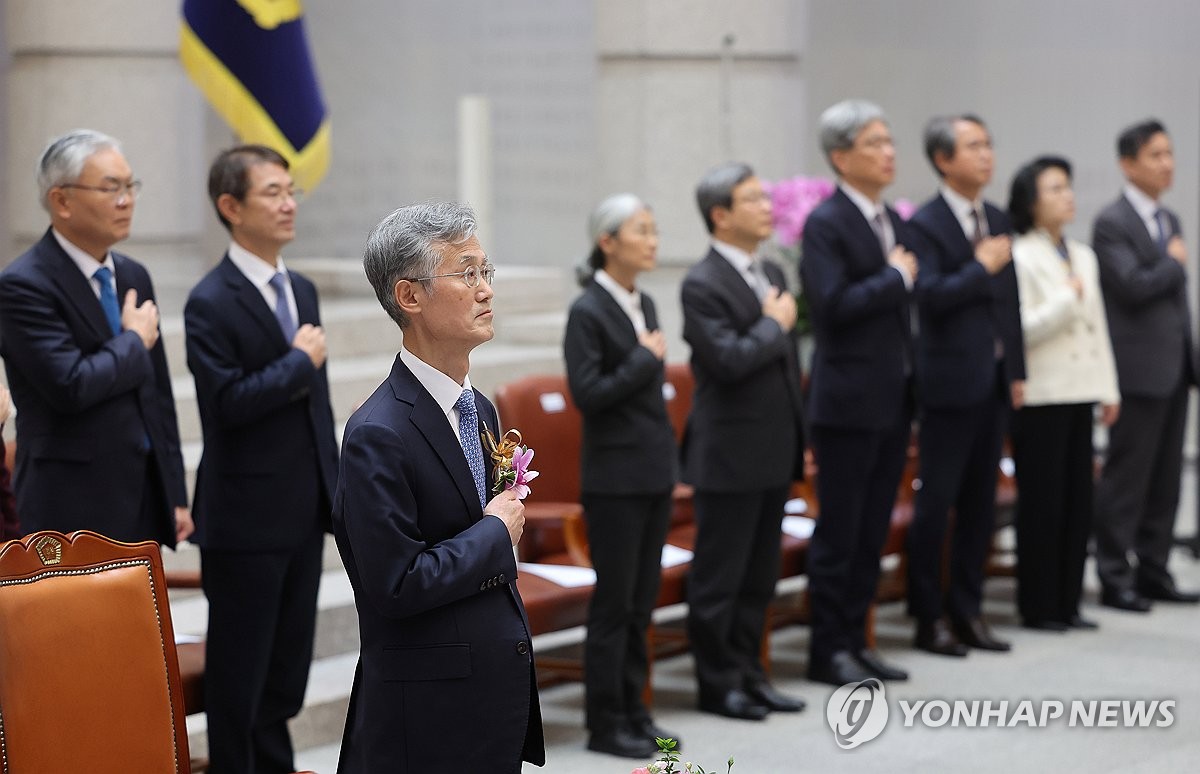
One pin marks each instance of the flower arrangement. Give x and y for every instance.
(792, 200)
(670, 757)
(512, 460)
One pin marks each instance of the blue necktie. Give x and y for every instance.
(468, 436)
(108, 298)
(283, 312)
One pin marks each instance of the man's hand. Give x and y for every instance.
(780, 307)
(1017, 388)
(903, 260)
(1177, 250)
(654, 341)
(142, 320)
(506, 507)
(310, 339)
(994, 253)
(1109, 413)
(184, 526)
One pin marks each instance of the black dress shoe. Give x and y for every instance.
(1167, 593)
(1079, 622)
(1044, 626)
(936, 637)
(773, 700)
(976, 634)
(647, 728)
(622, 741)
(878, 667)
(841, 668)
(734, 704)
(1125, 599)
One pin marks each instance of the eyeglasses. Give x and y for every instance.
(114, 189)
(470, 275)
(281, 195)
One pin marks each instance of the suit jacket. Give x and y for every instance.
(628, 443)
(745, 431)
(1145, 294)
(88, 401)
(445, 679)
(859, 308)
(964, 311)
(270, 455)
(1067, 351)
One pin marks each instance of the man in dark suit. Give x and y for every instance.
(857, 276)
(1143, 275)
(743, 445)
(970, 366)
(97, 439)
(269, 469)
(445, 679)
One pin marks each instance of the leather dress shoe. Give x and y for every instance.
(734, 704)
(975, 633)
(841, 668)
(1167, 592)
(1125, 599)
(647, 728)
(622, 741)
(1079, 622)
(936, 637)
(878, 667)
(1044, 626)
(766, 695)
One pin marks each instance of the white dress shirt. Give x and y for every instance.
(1146, 208)
(630, 301)
(88, 265)
(962, 207)
(445, 391)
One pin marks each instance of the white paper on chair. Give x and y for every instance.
(187, 639)
(674, 555)
(566, 575)
(797, 506)
(800, 527)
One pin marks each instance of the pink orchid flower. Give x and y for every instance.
(520, 466)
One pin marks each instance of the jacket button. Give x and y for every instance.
(523, 647)
(483, 586)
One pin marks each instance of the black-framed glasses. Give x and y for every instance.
(114, 189)
(470, 275)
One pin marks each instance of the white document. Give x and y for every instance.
(799, 526)
(565, 575)
(674, 555)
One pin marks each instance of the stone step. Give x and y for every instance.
(533, 328)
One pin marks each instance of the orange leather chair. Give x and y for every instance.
(89, 677)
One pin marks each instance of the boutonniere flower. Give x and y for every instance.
(670, 757)
(511, 459)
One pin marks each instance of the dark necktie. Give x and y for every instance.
(881, 234)
(108, 298)
(468, 436)
(1164, 229)
(283, 312)
(761, 285)
(977, 230)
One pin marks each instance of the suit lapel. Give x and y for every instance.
(429, 420)
(728, 277)
(862, 231)
(250, 299)
(75, 288)
(306, 302)
(616, 318)
(1137, 228)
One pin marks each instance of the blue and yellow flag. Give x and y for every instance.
(250, 59)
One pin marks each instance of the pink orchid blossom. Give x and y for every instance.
(520, 466)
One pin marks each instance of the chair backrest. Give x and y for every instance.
(89, 679)
(678, 396)
(541, 408)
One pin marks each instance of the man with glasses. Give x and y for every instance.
(269, 469)
(744, 443)
(97, 438)
(445, 679)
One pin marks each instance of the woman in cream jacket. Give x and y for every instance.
(1069, 369)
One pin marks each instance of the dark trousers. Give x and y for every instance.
(625, 535)
(731, 583)
(261, 620)
(960, 451)
(1052, 448)
(858, 473)
(1138, 493)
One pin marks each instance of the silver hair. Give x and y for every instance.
(406, 244)
(63, 159)
(941, 136)
(841, 124)
(611, 213)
